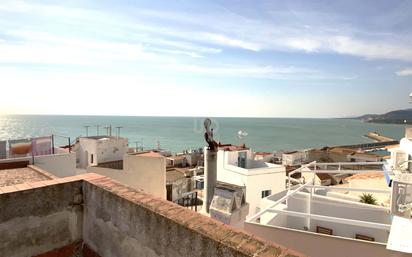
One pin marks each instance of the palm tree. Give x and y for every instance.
(368, 199)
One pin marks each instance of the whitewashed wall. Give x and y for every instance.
(60, 165)
(270, 177)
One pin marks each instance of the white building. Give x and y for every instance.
(97, 149)
(236, 165)
(401, 156)
(293, 158)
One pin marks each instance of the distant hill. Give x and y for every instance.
(398, 117)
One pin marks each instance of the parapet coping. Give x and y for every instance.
(42, 172)
(230, 237)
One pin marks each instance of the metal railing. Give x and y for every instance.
(189, 200)
(310, 186)
(315, 167)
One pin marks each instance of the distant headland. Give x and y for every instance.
(394, 117)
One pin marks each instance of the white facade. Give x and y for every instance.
(293, 158)
(99, 149)
(259, 178)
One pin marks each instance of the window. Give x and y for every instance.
(363, 237)
(266, 193)
(91, 158)
(322, 230)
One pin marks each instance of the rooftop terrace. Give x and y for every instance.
(306, 216)
(92, 215)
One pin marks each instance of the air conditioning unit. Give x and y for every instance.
(401, 197)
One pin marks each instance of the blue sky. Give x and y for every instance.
(205, 58)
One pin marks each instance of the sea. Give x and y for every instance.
(182, 133)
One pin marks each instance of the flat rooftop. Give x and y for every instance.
(16, 176)
(229, 147)
(103, 137)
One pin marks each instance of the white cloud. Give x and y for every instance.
(306, 44)
(404, 72)
(180, 45)
(80, 53)
(245, 71)
(370, 50)
(228, 41)
(224, 28)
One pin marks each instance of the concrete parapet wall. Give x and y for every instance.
(38, 218)
(121, 221)
(90, 215)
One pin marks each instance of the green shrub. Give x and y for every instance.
(368, 199)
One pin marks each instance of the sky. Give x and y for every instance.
(205, 58)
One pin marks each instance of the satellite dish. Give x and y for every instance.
(241, 134)
(209, 135)
(207, 123)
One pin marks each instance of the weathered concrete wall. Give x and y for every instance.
(36, 220)
(120, 221)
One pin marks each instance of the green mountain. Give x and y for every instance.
(399, 117)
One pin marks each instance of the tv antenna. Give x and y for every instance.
(87, 130)
(209, 135)
(118, 131)
(97, 129)
(107, 130)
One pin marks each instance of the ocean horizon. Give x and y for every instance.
(180, 133)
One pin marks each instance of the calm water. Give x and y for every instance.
(178, 133)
